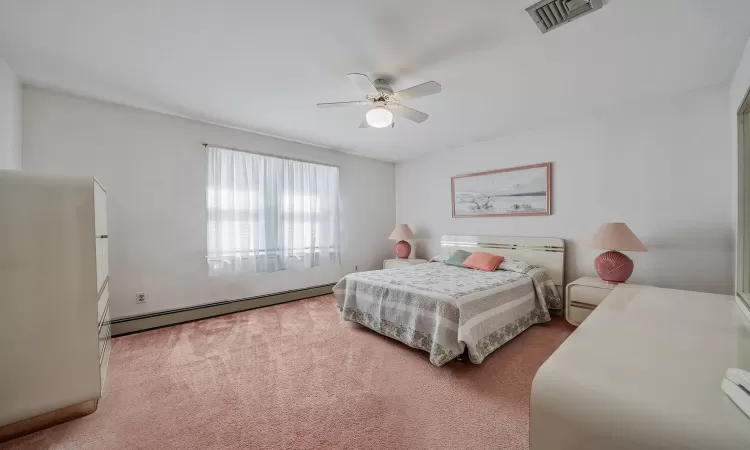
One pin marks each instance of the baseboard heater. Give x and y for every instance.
(143, 322)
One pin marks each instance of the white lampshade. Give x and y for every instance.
(402, 232)
(616, 236)
(379, 117)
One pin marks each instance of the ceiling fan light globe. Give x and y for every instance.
(379, 117)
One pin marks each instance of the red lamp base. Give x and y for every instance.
(403, 249)
(613, 267)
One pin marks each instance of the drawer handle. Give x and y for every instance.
(583, 305)
(103, 236)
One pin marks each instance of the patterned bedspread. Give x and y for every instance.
(445, 309)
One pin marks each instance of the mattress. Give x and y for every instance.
(445, 310)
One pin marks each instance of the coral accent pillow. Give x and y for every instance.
(483, 261)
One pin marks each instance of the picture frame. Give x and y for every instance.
(516, 191)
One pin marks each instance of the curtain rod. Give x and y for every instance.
(206, 144)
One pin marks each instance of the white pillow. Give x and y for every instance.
(442, 256)
(516, 265)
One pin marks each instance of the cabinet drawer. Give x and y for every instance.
(394, 264)
(102, 304)
(104, 332)
(104, 362)
(576, 314)
(102, 261)
(587, 294)
(100, 209)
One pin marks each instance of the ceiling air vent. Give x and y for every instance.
(550, 14)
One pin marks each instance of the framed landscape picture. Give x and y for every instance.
(518, 191)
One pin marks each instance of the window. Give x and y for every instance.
(267, 214)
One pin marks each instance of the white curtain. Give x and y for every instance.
(267, 214)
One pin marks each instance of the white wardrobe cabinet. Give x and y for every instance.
(54, 304)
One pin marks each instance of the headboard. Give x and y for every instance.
(548, 253)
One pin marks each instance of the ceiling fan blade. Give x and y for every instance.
(363, 82)
(408, 113)
(420, 90)
(336, 104)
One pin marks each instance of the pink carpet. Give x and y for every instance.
(295, 376)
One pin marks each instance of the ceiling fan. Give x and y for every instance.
(384, 103)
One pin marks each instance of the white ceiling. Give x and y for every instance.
(263, 65)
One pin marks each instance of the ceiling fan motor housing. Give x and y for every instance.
(382, 86)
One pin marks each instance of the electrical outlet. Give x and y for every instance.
(356, 268)
(140, 297)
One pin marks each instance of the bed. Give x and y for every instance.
(448, 311)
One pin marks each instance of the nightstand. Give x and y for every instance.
(401, 262)
(582, 296)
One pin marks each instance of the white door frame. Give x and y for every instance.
(742, 265)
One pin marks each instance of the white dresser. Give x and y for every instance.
(54, 311)
(644, 371)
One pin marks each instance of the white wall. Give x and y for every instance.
(740, 81)
(154, 169)
(662, 167)
(10, 118)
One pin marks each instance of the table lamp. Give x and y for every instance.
(612, 266)
(401, 233)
